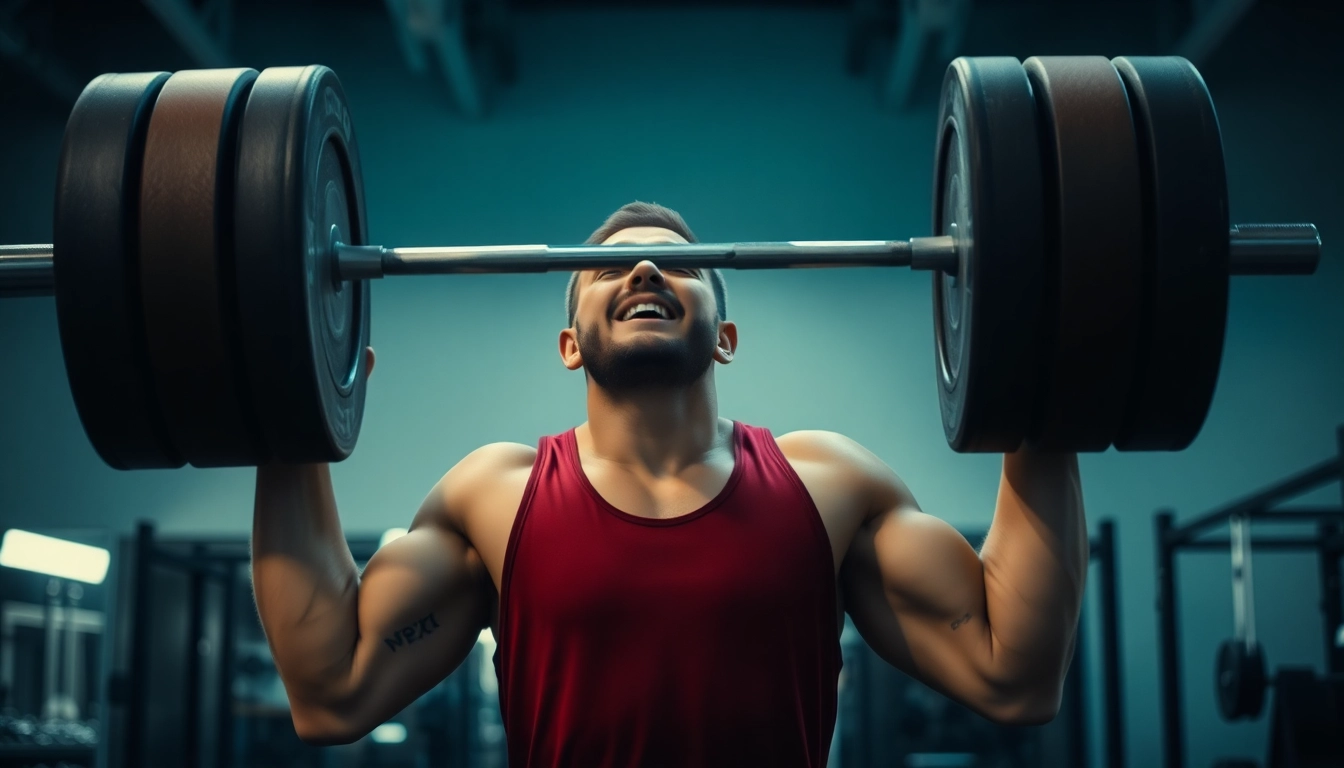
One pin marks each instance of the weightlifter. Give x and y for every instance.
(667, 585)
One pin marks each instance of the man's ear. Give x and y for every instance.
(569, 349)
(726, 346)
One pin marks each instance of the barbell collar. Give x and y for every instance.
(1254, 249)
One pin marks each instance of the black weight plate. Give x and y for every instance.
(300, 189)
(1094, 223)
(96, 269)
(1240, 680)
(987, 196)
(186, 266)
(1185, 254)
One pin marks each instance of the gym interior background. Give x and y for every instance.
(758, 121)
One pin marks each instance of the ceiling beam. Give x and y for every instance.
(190, 30)
(921, 21)
(1213, 22)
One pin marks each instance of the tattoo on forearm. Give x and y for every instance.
(959, 622)
(412, 632)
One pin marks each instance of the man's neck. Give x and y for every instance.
(658, 432)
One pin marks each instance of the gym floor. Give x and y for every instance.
(744, 117)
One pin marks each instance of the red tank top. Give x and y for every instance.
(708, 639)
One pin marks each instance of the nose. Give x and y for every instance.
(646, 275)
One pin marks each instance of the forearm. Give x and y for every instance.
(1035, 561)
(305, 580)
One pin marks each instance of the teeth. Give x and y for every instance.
(662, 312)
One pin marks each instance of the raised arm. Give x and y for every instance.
(992, 630)
(353, 649)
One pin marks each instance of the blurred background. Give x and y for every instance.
(481, 122)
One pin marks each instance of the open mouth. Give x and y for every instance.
(646, 310)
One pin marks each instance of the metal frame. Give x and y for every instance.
(221, 558)
(1103, 553)
(203, 560)
(1170, 539)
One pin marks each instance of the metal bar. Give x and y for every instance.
(1332, 601)
(203, 566)
(547, 258)
(1267, 544)
(1110, 644)
(1212, 24)
(138, 696)
(51, 651)
(224, 691)
(1169, 651)
(189, 31)
(1258, 502)
(26, 270)
(191, 744)
(1243, 590)
(1299, 514)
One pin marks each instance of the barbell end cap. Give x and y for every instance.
(1274, 249)
(359, 262)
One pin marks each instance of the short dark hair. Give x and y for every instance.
(640, 214)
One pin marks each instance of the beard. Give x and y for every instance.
(653, 362)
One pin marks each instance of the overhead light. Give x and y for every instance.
(54, 557)
(389, 733)
(391, 534)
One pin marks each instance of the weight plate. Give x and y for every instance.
(95, 240)
(1185, 254)
(987, 196)
(1241, 680)
(186, 266)
(1094, 224)
(300, 190)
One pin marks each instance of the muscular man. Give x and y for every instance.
(666, 585)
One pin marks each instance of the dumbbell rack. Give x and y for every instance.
(1261, 506)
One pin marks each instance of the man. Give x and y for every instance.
(667, 586)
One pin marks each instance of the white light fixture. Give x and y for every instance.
(391, 534)
(389, 733)
(54, 557)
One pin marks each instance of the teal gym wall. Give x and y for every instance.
(745, 122)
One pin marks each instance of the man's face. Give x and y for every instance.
(642, 327)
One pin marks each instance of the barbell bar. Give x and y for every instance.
(1254, 249)
(217, 316)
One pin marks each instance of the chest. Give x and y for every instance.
(837, 505)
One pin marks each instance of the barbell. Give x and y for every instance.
(210, 262)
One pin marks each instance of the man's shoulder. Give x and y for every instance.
(478, 479)
(818, 445)
(493, 458)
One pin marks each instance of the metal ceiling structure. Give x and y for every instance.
(468, 44)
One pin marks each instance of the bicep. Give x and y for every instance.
(915, 589)
(423, 601)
